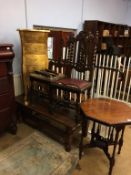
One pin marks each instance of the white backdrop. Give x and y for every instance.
(129, 13)
(60, 13)
(12, 16)
(106, 10)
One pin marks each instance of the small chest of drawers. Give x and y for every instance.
(6, 89)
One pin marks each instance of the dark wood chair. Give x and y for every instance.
(77, 66)
(63, 95)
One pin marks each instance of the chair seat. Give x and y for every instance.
(74, 83)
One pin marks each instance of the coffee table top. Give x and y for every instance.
(107, 111)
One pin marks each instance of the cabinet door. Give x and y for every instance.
(6, 88)
(5, 111)
(3, 69)
(5, 120)
(5, 98)
(5, 101)
(4, 85)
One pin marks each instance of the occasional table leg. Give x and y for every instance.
(121, 140)
(112, 158)
(85, 124)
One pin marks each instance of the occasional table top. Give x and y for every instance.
(107, 111)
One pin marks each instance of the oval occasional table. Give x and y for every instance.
(111, 114)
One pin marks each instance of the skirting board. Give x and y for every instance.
(18, 86)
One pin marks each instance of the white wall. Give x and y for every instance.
(105, 10)
(12, 17)
(60, 13)
(16, 14)
(72, 13)
(129, 13)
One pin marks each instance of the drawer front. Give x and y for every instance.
(5, 119)
(3, 69)
(5, 101)
(4, 85)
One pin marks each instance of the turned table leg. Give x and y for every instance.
(112, 158)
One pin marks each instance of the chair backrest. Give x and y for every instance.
(77, 62)
(78, 57)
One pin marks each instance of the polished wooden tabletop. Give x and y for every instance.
(107, 111)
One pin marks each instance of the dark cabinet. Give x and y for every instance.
(114, 39)
(7, 120)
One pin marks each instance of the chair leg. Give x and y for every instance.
(68, 139)
(83, 134)
(78, 167)
(81, 147)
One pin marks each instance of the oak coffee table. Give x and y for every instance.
(114, 115)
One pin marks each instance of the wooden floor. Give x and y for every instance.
(94, 161)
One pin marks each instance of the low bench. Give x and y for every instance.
(59, 122)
